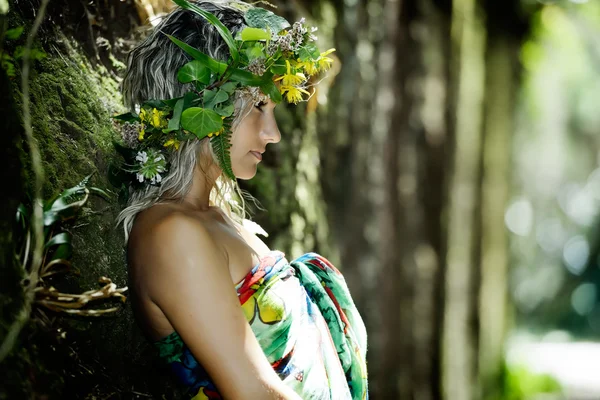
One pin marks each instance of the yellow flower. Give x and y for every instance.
(309, 67)
(324, 61)
(293, 94)
(143, 115)
(172, 142)
(217, 133)
(290, 79)
(142, 132)
(158, 120)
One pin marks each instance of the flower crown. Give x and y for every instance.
(268, 54)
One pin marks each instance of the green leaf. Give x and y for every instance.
(194, 71)
(62, 252)
(255, 52)
(200, 121)
(223, 30)
(261, 18)
(229, 87)
(221, 145)
(176, 118)
(246, 78)
(225, 110)
(61, 238)
(279, 67)
(214, 97)
(127, 117)
(15, 33)
(251, 34)
(212, 64)
(310, 52)
(268, 87)
(101, 193)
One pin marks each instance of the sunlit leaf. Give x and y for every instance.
(251, 34)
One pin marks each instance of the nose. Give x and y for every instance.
(270, 131)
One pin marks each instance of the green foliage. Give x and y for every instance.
(7, 61)
(201, 121)
(521, 384)
(251, 34)
(223, 30)
(194, 71)
(265, 19)
(221, 144)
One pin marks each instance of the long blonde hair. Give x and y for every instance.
(151, 74)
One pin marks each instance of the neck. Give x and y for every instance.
(203, 182)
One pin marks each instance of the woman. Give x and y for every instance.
(234, 319)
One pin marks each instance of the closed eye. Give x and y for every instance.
(261, 104)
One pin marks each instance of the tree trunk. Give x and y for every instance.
(459, 378)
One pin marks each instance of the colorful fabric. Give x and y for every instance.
(306, 323)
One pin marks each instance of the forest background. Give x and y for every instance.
(448, 164)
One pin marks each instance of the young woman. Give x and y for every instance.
(234, 318)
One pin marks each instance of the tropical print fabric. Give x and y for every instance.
(306, 323)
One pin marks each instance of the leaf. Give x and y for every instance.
(127, 117)
(222, 29)
(261, 18)
(212, 64)
(200, 121)
(15, 33)
(194, 71)
(61, 238)
(176, 118)
(252, 34)
(101, 193)
(246, 78)
(254, 53)
(269, 88)
(225, 110)
(310, 52)
(229, 87)
(214, 97)
(221, 145)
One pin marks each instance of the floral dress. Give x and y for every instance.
(306, 323)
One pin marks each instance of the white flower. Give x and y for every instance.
(142, 157)
(140, 177)
(156, 179)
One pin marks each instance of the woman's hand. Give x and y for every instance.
(188, 279)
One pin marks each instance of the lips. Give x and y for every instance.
(257, 155)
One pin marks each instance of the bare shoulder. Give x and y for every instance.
(165, 237)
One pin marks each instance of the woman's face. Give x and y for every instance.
(251, 137)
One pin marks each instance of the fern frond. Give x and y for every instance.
(221, 145)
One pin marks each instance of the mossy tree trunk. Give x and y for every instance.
(73, 94)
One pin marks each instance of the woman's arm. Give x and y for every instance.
(188, 278)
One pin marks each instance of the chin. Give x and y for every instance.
(244, 173)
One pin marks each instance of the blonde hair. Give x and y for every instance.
(151, 74)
